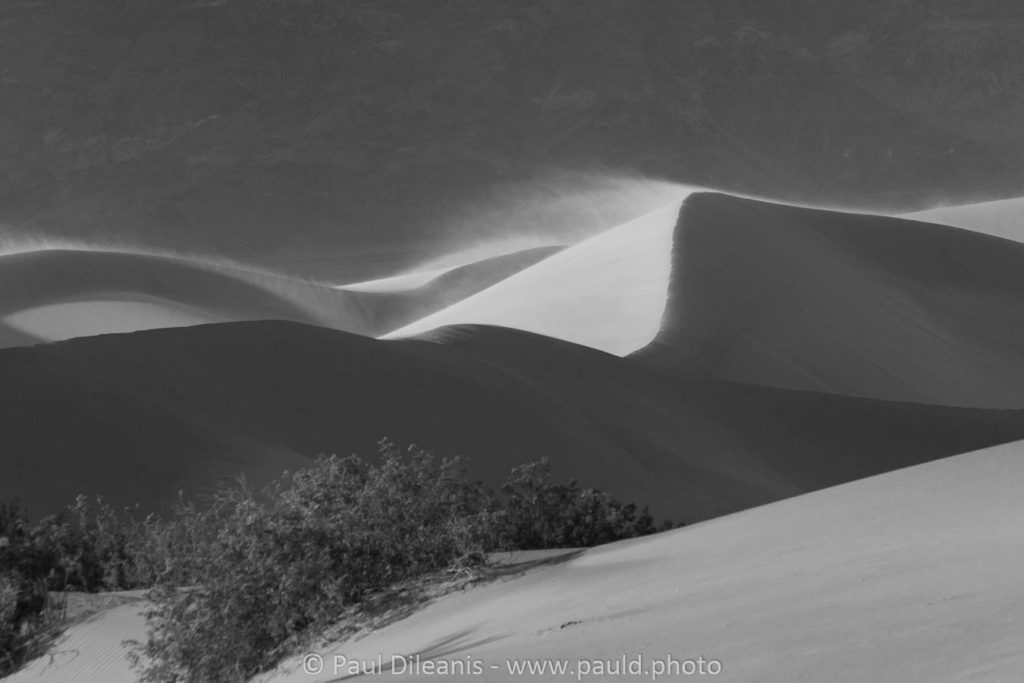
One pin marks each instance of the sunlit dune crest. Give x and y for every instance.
(51, 294)
(607, 292)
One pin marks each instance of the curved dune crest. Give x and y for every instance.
(999, 218)
(607, 292)
(844, 303)
(471, 277)
(56, 294)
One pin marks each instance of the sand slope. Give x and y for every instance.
(92, 649)
(845, 303)
(139, 416)
(910, 576)
(1000, 218)
(607, 292)
(55, 294)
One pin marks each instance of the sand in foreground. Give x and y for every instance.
(910, 575)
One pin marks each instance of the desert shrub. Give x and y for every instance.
(270, 569)
(540, 513)
(29, 618)
(91, 546)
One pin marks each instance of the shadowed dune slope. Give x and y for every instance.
(1001, 218)
(139, 416)
(844, 303)
(607, 292)
(55, 294)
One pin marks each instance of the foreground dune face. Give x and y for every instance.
(607, 292)
(909, 576)
(93, 648)
(1000, 218)
(138, 417)
(844, 303)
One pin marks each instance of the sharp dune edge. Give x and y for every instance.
(999, 218)
(914, 572)
(607, 292)
(851, 304)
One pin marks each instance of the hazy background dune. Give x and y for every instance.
(138, 417)
(54, 294)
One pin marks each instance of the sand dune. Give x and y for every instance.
(908, 576)
(845, 303)
(607, 292)
(1000, 218)
(139, 416)
(472, 276)
(92, 649)
(55, 294)
(798, 298)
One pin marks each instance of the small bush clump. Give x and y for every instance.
(540, 513)
(270, 570)
(29, 618)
